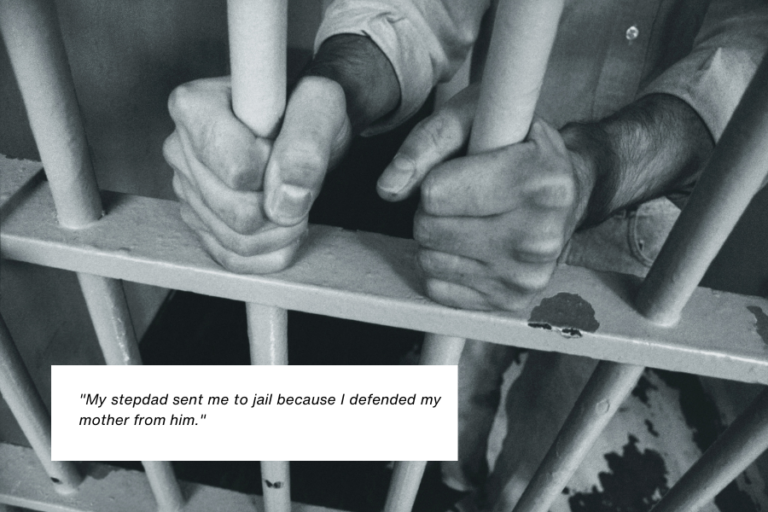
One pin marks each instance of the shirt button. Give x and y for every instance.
(632, 33)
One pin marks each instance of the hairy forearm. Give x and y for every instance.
(654, 146)
(370, 85)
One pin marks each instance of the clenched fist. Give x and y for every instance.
(490, 226)
(246, 197)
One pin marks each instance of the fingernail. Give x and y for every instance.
(397, 175)
(289, 204)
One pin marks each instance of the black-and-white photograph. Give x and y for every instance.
(257, 255)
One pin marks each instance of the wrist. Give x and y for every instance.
(363, 71)
(594, 162)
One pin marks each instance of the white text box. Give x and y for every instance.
(250, 412)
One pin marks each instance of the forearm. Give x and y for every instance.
(370, 85)
(654, 146)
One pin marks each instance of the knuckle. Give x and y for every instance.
(530, 281)
(169, 149)
(303, 157)
(181, 101)
(425, 262)
(242, 220)
(235, 159)
(555, 192)
(436, 290)
(541, 250)
(421, 229)
(430, 194)
(439, 130)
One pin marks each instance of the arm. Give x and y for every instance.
(426, 41)
(652, 147)
(248, 198)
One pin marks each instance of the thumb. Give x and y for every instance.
(315, 126)
(433, 141)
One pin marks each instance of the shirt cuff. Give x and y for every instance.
(395, 35)
(712, 81)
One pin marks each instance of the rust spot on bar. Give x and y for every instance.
(566, 313)
(761, 322)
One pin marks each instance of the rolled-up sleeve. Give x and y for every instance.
(727, 50)
(425, 40)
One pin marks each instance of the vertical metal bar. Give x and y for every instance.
(257, 53)
(522, 38)
(36, 48)
(108, 309)
(257, 49)
(605, 391)
(523, 34)
(164, 486)
(406, 477)
(111, 319)
(27, 406)
(404, 486)
(732, 453)
(734, 174)
(268, 335)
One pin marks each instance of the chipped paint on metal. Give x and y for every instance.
(380, 284)
(761, 322)
(566, 313)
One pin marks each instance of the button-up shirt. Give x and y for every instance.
(606, 54)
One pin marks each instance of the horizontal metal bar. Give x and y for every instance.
(373, 278)
(23, 483)
(17, 177)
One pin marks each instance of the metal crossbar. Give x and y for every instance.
(144, 240)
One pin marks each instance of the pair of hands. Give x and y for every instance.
(490, 226)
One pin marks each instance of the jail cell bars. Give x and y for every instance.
(32, 37)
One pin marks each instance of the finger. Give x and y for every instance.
(456, 295)
(475, 185)
(523, 238)
(432, 141)
(452, 268)
(242, 211)
(509, 288)
(259, 264)
(191, 219)
(315, 123)
(202, 110)
(268, 239)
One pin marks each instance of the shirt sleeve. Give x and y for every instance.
(425, 40)
(726, 52)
